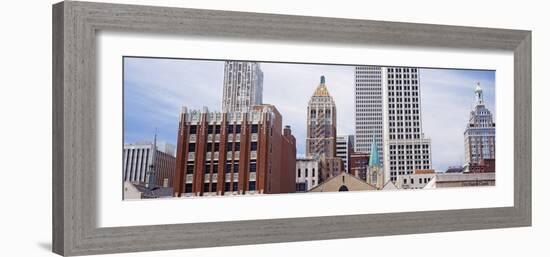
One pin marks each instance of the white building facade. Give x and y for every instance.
(414, 181)
(242, 86)
(388, 106)
(479, 136)
(307, 174)
(368, 108)
(344, 146)
(139, 158)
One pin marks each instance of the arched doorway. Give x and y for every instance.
(343, 188)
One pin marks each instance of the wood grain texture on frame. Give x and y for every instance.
(75, 25)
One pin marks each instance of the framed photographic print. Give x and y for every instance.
(183, 128)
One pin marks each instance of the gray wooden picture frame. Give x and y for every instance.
(75, 25)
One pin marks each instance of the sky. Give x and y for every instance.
(156, 89)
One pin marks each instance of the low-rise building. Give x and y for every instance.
(359, 164)
(418, 180)
(139, 159)
(343, 182)
(442, 180)
(307, 174)
(485, 165)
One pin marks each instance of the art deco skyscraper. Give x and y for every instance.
(242, 86)
(321, 132)
(388, 106)
(479, 136)
(321, 123)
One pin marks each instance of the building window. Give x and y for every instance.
(254, 128)
(237, 146)
(253, 167)
(214, 187)
(299, 173)
(193, 129)
(215, 170)
(230, 129)
(227, 187)
(313, 172)
(252, 186)
(188, 188)
(190, 169)
(238, 129)
(253, 146)
(306, 173)
(235, 167)
(191, 147)
(235, 187)
(206, 187)
(207, 168)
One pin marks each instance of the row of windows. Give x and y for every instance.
(401, 105)
(207, 187)
(417, 146)
(402, 70)
(399, 100)
(216, 129)
(306, 172)
(214, 168)
(420, 180)
(392, 88)
(402, 170)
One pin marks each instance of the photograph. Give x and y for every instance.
(204, 128)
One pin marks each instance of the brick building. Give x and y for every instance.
(234, 153)
(359, 164)
(484, 166)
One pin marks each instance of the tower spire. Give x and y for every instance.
(374, 159)
(479, 94)
(322, 88)
(151, 179)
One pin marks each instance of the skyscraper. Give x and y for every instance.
(479, 136)
(368, 108)
(321, 132)
(344, 147)
(388, 110)
(242, 86)
(321, 123)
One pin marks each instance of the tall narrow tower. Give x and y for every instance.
(368, 109)
(321, 124)
(321, 132)
(479, 136)
(242, 86)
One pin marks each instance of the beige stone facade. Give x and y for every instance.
(343, 182)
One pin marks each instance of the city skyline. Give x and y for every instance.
(155, 90)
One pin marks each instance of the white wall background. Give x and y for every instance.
(25, 111)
